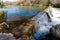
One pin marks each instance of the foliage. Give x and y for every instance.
(1, 5)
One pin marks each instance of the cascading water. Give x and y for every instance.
(42, 26)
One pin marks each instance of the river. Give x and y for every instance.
(18, 12)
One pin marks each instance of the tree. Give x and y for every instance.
(1, 4)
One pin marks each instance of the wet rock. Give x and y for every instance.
(32, 38)
(6, 36)
(27, 28)
(55, 31)
(26, 38)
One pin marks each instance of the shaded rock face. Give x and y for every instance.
(55, 31)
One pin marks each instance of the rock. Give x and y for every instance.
(26, 38)
(55, 2)
(32, 38)
(55, 31)
(26, 28)
(6, 36)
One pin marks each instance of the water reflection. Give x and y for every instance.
(18, 12)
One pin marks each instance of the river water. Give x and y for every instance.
(18, 12)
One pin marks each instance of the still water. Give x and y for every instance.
(18, 12)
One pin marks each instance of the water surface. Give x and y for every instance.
(17, 12)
